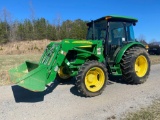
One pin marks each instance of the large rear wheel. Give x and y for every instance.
(91, 79)
(135, 65)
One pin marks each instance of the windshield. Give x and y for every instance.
(98, 32)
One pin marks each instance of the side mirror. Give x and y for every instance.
(134, 24)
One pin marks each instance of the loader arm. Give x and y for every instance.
(36, 76)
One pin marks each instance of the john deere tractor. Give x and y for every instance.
(109, 48)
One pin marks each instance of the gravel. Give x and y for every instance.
(63, 102)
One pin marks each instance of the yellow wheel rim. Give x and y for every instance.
(141, 66)
(62, 74)
(94, 79)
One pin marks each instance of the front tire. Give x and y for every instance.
(91, 79)
(62, 75)
(135, 65)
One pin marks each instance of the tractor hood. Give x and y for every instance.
(77, 41)
(68, 44)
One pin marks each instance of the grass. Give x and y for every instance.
(10, 61)
(150, 113)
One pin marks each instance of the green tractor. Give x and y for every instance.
(110, 48)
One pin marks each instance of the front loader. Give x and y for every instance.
(110, 48)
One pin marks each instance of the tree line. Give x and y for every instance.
(41, 29)
(38, 29)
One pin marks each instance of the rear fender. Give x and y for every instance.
(124, 49)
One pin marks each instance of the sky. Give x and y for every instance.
(146, 11)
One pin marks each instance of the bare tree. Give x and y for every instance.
(153, 40)
(13, 30)
(57, 24)
(32, 16)
(10, 27)
(142, 39)
(6, 17)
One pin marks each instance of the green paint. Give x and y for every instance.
(36, 76)
(116, 70)
(123, 18)
(123, 50)
(117, 18)
(29, 75)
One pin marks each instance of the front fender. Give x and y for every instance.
(124, 49)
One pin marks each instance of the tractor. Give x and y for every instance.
(154, 48)
(110, 48)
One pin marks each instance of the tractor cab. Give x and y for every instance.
(114, 31)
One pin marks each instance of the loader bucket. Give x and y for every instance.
(30, 76)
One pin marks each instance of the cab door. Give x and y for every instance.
(116, 38)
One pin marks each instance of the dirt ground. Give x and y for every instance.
(63, 101)
(155, 59)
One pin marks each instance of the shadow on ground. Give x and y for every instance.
(24, 95)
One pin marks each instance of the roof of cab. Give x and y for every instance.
(117, 18)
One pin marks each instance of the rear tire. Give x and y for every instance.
(91, 79)
(135, 65)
